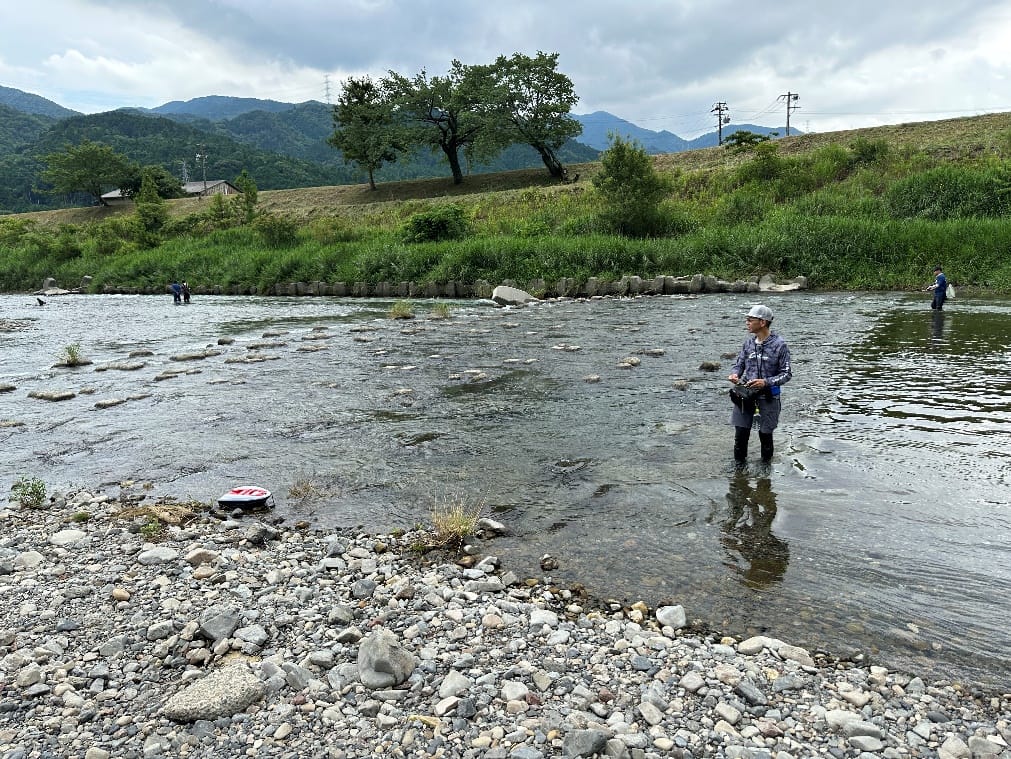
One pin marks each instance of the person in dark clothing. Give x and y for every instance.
(940, 288)
(186, 293)
(177, 292)
(762, 365)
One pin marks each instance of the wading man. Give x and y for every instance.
(761, 369)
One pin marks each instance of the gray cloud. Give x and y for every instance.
(659, 63)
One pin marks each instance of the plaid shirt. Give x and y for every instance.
(771, 362)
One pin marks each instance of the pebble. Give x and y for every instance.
(233, 638)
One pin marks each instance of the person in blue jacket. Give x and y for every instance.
(940, 288)
(763, 365)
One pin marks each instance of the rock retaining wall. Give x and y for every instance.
(565, 287)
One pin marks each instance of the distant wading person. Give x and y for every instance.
(762, 366)
(940, 288)
(177, 293)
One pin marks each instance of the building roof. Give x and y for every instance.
(189, 188)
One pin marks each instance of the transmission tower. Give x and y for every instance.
(791, 99)
(722, 112)
(326, 87)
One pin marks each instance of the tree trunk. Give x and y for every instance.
(554, 166)
(453, 156)
(372, 181)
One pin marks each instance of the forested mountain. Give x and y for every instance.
(219, 107)
(26, 102)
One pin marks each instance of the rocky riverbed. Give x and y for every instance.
(125, 635)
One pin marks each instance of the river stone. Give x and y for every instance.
(798, 654)
(28, 560)
(983, 747)
(454, 684)
(218, 622)
(222, 693)
(157, 555)
(953, 748)
(672, 616)
(584, 742)
(67, 538)
(382, 662)
(511, 296)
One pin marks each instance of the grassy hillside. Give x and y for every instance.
(868, 208)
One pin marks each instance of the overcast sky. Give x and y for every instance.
(659, 64)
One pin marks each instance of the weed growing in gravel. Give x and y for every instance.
(29, 492)
(453, 520)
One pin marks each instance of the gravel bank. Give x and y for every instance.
(229, 638)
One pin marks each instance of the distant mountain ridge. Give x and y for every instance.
(599, 124)
(217, 108)
(26, 102)
(282, 145)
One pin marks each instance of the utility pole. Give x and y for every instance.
(720, 109)
(202, 160)
(790, 98)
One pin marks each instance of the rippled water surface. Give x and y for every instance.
(883, 524)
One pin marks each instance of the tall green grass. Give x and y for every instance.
(854, 217)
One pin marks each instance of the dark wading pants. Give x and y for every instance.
(741, 436)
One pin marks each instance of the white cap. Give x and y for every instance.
(761, 312)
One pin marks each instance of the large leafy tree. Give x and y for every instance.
(364, 129)
(447, 113)
(88, 167)
(166, 183)
(534, 99)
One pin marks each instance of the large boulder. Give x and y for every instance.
(382, 661)
(511, 296)
(222, 693)
(768, 284)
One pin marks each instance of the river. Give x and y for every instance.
(883, 525)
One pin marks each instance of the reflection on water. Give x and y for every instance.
(882, 525)
(936, 326)
(754, 552)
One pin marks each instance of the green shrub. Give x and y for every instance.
(869, 151)
(444, 222)
(30, 493)
(631, 189)
(276, 231)
(766, 164)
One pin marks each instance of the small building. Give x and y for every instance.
(210, 187)
(196, 189)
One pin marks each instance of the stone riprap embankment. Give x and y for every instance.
(567, 287)
(239, 638)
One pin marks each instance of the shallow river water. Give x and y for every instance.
(883, 524)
